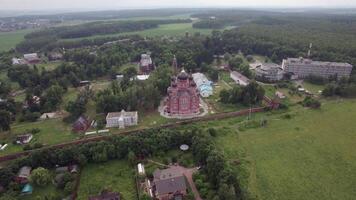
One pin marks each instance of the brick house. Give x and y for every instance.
(169, 184)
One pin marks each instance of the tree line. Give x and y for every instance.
(141, 145)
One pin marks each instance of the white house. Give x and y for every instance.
(121, 119)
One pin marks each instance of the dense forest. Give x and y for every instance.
(333, 37)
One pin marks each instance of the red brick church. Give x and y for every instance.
(183, 95)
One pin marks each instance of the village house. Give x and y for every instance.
(23, 175)
(121, 119)
(18, 61)
(204, 85)
(24, 139)
(31, 58)
(239, 78)
(169, 184)
(55, 56)
(81, 125)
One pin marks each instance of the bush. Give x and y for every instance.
(40, 176)
(30, 116)
(311, 103)
(68, 189)
(212, 132)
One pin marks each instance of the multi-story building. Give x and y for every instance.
(183, 96)
(302, 68)
(121, 119)
(269, 72)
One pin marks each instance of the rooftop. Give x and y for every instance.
(24, 172)
(306, 61)
(123, 113)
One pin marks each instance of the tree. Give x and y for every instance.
(224, 96)
(5, 120)
(213, 74)
(40, 176)
(76, 108)
(235, 62)
(69, 187)
(132, 158)
(130, 72)
(53, 97)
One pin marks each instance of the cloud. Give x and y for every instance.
(122, 4)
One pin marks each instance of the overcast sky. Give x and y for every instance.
(124, 4)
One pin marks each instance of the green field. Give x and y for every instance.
(116, 176)
(9, 40)
(310, 156)
(163, 30)
(53, 131)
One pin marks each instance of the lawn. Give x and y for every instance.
(270, 90)
(9, 40)
(53, 131)
(116, 175)
(313, 88)
(310, 156)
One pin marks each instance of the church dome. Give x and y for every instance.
(183, 75)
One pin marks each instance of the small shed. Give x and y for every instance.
(23, 175)
(73, 169)
(141, 169)
(27, 189)
(81, 125)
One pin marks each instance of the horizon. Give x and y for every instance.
(103, 5)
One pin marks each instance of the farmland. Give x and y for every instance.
(9, 40)
(315, 147)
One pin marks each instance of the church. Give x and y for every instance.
(183, 95)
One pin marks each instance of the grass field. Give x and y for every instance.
(163, 30)
(9, 40)
(53, 131)
(310, 156)
(117, 176)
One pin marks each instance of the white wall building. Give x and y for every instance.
(121, 119)
(269, 71)
(303, 67)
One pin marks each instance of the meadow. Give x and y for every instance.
(9, 40)
(305, 154)
(117, 176)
